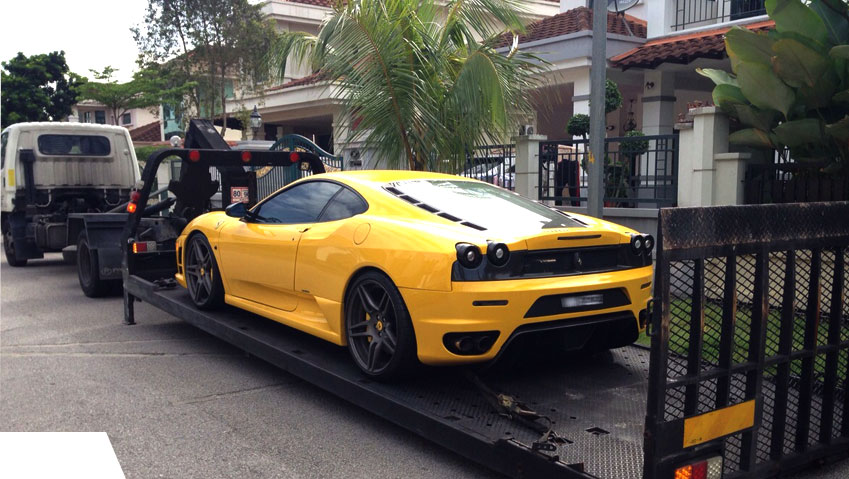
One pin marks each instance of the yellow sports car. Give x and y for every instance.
(403, 266)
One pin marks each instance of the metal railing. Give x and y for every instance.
(271, 179)
(697, 13)
(786, 181)
(494, 164)
(639, 172)
(750, 332)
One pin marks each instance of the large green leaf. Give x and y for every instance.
(754, 117)
(840, 129)
(751, 137)
(744, 45)
(821, 94)
(840, 51)
(726, 95)
(763, 89)
(799, 132)
(797, 64)
(794, 16)
(719, 77)
(836, 24)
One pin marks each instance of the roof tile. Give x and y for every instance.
(681, 48)
(576, 20)
(149, 132)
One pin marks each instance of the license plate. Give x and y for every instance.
(582, 301)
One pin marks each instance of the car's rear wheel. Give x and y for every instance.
(380, 333)
(202, 276)
(9, 248)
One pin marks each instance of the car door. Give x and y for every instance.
(258, 253)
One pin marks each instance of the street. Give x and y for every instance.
(179, 403)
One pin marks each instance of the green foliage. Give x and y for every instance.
(634, 144)
(421, 84)
(37, 88)
(578, 125)
(790, 87)
(210, 44)
(143, 152)
(612, 96)
(149, 87)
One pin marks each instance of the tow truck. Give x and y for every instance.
(729, 387)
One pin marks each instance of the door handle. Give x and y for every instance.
(304, 230)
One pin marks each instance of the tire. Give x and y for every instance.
(202, 275)
(379, 330)
(9, 248)
(88, 272)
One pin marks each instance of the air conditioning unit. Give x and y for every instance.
(526, 130)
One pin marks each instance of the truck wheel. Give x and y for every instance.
(380, 333)
(88, 271)
(202, 275)
(9, 249)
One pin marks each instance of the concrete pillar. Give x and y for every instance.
(581, 93)
(708, 175)
(527, 164)
(658, 102)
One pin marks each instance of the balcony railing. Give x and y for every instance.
(697, 13)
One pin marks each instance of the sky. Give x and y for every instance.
(93, 33)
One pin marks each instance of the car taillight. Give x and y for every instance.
(144, 247)
(706, 469)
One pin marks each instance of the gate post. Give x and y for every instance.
(527, 164)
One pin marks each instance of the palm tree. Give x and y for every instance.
(422, 84)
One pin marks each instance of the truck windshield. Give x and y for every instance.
(77, 145)
(484, 204)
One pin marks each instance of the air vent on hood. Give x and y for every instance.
(431, 209)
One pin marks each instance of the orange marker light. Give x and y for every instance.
(246, 156)
(294, 157)
(194, 156)
(131, 207)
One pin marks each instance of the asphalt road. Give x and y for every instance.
(178, 403)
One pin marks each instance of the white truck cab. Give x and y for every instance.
(51, 170)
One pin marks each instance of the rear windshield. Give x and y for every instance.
(78, 145)
(483, 204)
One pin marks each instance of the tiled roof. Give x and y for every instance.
(681, 48)
(149, 132)
(576, 20)
(328, 3)
(307, 80)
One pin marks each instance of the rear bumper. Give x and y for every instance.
(480, 306)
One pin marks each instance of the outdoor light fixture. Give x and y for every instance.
(256, 121)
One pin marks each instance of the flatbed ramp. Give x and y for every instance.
(596, 405)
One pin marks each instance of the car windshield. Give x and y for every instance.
(484, 204)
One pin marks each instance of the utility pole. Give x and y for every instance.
(598, 75)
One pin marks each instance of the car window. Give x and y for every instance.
(3, 139)
(301, 203)
(344, 205)
(79, 145)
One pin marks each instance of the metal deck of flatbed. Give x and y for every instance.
(597, 404)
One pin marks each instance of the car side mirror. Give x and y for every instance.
(236, 210)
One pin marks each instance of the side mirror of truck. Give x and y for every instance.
(236, 210)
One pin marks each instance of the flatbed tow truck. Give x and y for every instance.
(722, 392)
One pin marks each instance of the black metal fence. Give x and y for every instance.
(697, 13)
(786, 181)
(494, 164)
(638, 171)
(751, 314)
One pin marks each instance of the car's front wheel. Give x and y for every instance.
(380, 333)
(202, 276)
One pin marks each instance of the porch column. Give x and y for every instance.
(581, 93)
(527, 164)
(658, 103)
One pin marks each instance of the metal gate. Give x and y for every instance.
(750, 338)
(270, 179)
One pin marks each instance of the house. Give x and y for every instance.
(89, 111)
